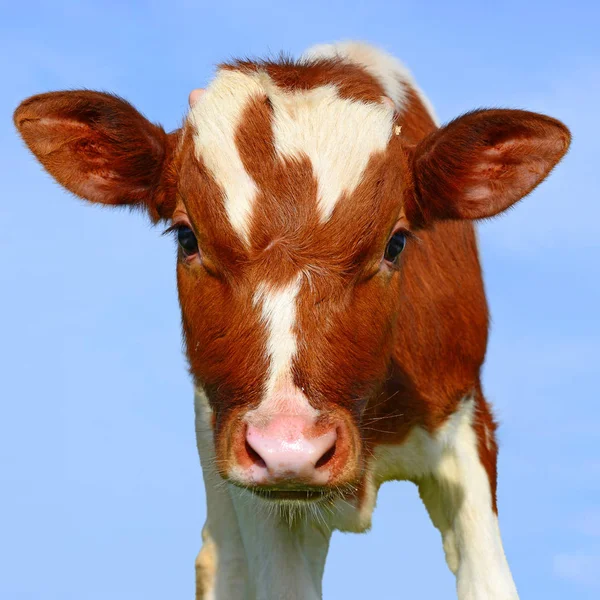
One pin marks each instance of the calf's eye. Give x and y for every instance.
(395, 246)
(187, 240)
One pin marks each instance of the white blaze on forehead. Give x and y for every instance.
(216, 116)
(338, 135)
(394, 77)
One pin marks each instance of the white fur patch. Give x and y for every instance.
(278, 312)
(338, 135)
(221, 565)
(284, 562)
(389, 71)
(460, 478)
(216, 116)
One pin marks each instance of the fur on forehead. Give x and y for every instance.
(328, 112)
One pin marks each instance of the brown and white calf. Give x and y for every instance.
(331, 296)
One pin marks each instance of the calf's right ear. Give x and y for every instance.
(101, 148)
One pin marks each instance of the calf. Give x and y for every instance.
(331, 295)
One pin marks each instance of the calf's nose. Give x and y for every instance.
(285, 451)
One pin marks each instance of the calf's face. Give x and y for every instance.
(291, 206)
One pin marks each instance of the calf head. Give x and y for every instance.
(292, 192)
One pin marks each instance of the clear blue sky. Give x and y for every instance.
(101, 490)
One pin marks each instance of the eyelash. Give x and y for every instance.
(175, 230)
(172, 230)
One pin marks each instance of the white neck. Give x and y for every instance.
(250, 550)
(284, 561)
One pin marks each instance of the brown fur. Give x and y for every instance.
(351, 81)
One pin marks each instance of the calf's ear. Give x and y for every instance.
(482, 163)
(100, 148)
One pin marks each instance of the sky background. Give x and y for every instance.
(101, 494)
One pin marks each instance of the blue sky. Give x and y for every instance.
(101, 488)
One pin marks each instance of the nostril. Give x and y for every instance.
(255, 457)
(326, 457)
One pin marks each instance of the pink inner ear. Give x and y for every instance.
(195, 96)
(515, 164)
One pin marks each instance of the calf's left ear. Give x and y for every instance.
(482, 163)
